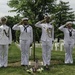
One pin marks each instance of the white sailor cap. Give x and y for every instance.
(24, 18)
(47, 15)
(69, 22)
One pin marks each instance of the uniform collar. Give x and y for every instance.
(70, 29)
(4, 25)
(25, 25)
(48, 23)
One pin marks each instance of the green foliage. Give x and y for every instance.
(31, 8)
(63, 13)
(34, 9)
(12, 21)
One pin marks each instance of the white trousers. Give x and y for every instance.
(68, 52)
(3, 55)
(46, 52)
(25, 46)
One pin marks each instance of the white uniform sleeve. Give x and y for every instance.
(62, 28)
(10, 36)
(38, 24)
(16, 27)
(31, 35)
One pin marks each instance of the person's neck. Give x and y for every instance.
(25, 24)
(47, 21)
(69, 27)
(3, 24)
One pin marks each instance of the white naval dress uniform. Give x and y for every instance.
(26, 38)
(68, 43)
(5, 39)
(46, 38)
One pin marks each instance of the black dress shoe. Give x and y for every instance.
(47, 67)
(26, 67)
(22, 65)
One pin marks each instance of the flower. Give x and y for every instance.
(30, 70)
(40, 70)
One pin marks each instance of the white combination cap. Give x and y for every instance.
(24, 18)
(68, 23)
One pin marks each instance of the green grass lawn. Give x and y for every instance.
(57, 63)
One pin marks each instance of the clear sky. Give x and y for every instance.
(4, 8)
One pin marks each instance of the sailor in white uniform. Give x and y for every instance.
(5, 40)
(46, 38)
(26, 38)
(69, 33)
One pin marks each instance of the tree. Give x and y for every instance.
(63, 14)
(33, 9)
(10, 22)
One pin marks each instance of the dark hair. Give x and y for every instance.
(3, 19)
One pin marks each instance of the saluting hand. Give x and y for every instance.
(21, 22)
(43, 20)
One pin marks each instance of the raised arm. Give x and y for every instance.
(62, 27)
(17, 26)
(39, 24)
